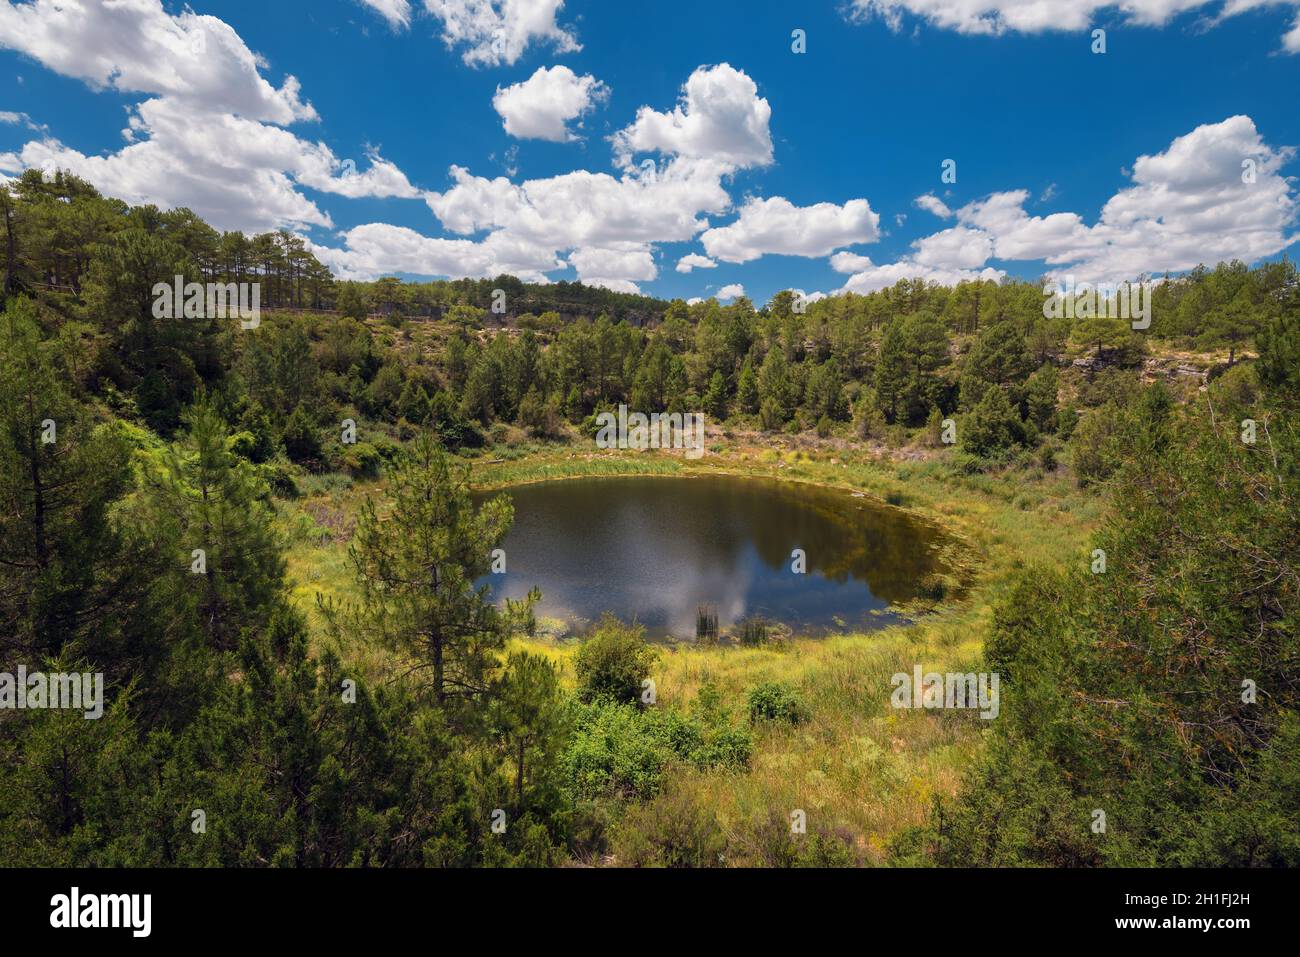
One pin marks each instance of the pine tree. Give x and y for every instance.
(165, 360)
(418, 560)
(775, 386)
(1279, 349)
(1040, 398)
(59, 475)
(992, 427)
(891, 370)
(998, 357)
(228, 564)
(1230, 324)
(529, 716)
(350, 302)
(715, 399)
(747, 388)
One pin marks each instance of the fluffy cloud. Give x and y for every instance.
(234, 172)
(958, 248)
(730, 292)
(396, 12)
(695, 261)
(1037, 16)
(1188, 205)
(606, 224)
(933, 204)
(494, 32)
(614, 267)
(209, 137)
(850, 262)
(609, 222)
(1017, 235)
(777, 226)
(872, 277)
(1215, 194)
(584, 208)
(379, 249)
(541, 107)
(134, 46)
(720, 117)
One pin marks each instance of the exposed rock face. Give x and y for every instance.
(1172, 369)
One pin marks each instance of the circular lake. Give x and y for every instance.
(655, 549)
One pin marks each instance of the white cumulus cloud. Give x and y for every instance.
(210, 133)
(933, 204)
(1216, 193)
(135, 46)
(695, 261)
(993, 17)
(777, 226)
(720, 117)
(495, 32)
(542, 106)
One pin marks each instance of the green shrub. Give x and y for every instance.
(615, 752)
(620, 751)
(992, 427)
(614, 662)
(775, 701)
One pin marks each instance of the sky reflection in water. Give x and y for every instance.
(655, 548)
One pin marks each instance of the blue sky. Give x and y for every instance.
(780, 169)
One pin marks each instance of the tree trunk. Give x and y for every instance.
(38, 502)
(9, 247)
(519, 777)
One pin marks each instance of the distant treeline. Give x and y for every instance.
(53, 225)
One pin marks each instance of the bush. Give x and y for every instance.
(302, 437)
(992, 427)
(624, 752)
(540, 417)
(1047, 458)
(360, 458)
(614, 662)
(279, 477)
(1094, 451)
(775, 701)
(868, 420)
(670, 831)
(933, 434)
(1067, 417)
(771, 416)
(1239, 385)
(615, 752)
(767, 841)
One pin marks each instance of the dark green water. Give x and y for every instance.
(654, 549)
